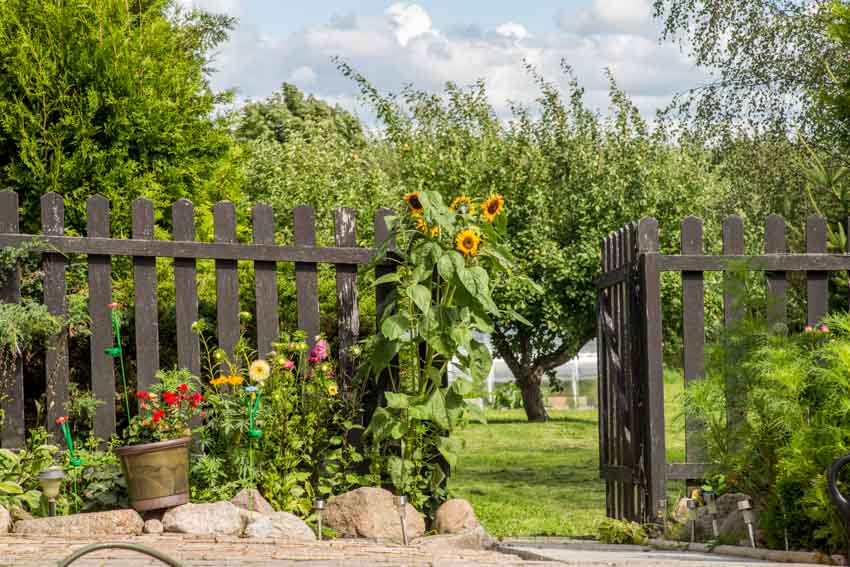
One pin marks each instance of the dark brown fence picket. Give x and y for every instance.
(100, 296)
(817, 291)
(693, 331)
(11, 370)
(55, 288)
(144, 249)
(348, 313)
(265, 282)
(306, 274)
(146, 305)
(186, 289)
(777, 282)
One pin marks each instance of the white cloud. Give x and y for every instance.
(401, 45)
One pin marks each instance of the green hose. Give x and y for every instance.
(120, 545)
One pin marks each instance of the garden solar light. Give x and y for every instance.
(692, 517)
(710, 498)
(319, 508)
(746, 509)
(401, 505)
(661, 512)
(50, 480)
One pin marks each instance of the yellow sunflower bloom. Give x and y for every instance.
(259, 371)
(235, 380)
(462, 204)
(422, 226)
(492, 207)
(413, 203)
(435, 231)
(467, 242)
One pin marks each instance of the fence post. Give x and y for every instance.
(348, 314)
(817, 291)
(265, 282)
(306, 275)
(11, 371)
(185, 289)
(777, 284)
(100, 296)
(733, 245)
(55, 288)
(656, 462)
(603, 386)
(227, 284)
(146, 305)
(693, 332)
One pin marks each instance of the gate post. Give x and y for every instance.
(655, 464)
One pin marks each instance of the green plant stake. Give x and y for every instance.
(117, 351)
(66, 432)
(253, 433)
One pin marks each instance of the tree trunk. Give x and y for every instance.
(532, 398)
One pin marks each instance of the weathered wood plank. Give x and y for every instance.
(13, 434)
(693, 331)
(227, 283)
(197, 250)
(265, 282)
(817, 282)
(348, 313)
(100, 296)
(619, 389)
(55, 288)
(687, 471)
(306, 274)
(656, 464)
(733, 244)
(146, 305)
(777, 283)
(186, 289)
(763, 262)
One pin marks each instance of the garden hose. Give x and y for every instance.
(120, 545)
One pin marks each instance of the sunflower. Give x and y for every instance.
(435, 231)
(462, 204)
(422, 226)
(467, 242)
(413, 203)
(259, 371)
(493, 206)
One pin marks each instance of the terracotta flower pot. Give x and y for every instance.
(157, 473)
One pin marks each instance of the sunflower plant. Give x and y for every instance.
(439, 313)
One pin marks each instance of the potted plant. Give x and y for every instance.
(155, 458)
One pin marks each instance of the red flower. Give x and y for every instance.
(157, 415)
(171, 398)
(143, 395)
(61, 419)
(196, 399)
(183, 388)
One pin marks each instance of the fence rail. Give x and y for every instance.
(630, 336)
(143, 248)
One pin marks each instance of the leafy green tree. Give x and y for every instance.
(568, 177)
(110, 97)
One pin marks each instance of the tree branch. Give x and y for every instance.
(555, 359)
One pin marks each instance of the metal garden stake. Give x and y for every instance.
(401, 506)
(692, 518)
(746, 509)
(319, 507)
(710, 498)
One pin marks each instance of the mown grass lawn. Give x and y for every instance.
(535, 479)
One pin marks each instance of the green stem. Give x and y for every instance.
(116, 326)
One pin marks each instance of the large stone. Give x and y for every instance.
(455, 516)
(153, 527)
(474, 539)
(216, 518)
(96, 524)
(251, 499)
(369, 512)
(280, 525)
(5, 521)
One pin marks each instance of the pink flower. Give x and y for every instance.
(288, 364)
(320, 351)
(808, 329)
(314, 359)
(823, 329)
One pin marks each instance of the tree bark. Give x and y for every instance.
(532, 398)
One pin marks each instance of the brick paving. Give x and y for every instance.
(32, 551)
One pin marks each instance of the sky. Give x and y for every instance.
(430, 42)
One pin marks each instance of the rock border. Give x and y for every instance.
(773, 555)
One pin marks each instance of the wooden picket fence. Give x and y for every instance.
(225, 250)
(630, 365)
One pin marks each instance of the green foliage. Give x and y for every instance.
(507, 396)
(109, 97)
(19, 485)
(98, 484)
(790, 391)
(621, 532)
(81, 408)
